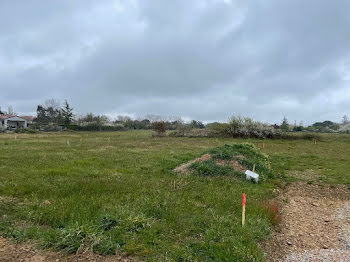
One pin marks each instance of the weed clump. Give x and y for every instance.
(273, 211)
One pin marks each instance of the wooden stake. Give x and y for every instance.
(15, 137)
(254, 167)
(81, 139)
(270, 167)
(263, 146)
(243, 210)
(109, 140)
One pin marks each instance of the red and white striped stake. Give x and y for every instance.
(243, 210)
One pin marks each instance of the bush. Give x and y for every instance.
(248, 128)
(159, 127)
(345, 129)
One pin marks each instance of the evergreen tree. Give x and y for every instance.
(67, 113)
(284, 126)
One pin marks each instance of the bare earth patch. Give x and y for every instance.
(315, 224)
(25, 252)
(185, 168)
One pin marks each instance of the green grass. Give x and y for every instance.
(123, 195)
(245, 154)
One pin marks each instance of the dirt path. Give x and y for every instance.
(315, 224)
(25, 252)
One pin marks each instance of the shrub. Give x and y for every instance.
(345, 129)
(248, 128)
(159, 127)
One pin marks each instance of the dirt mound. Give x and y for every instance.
(25, 252)
(185, 168)
(314, 225)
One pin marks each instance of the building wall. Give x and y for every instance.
(17, 120)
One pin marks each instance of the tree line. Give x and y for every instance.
(51, 115)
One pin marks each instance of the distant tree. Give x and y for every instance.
(284, 126)
(42, 118)
(67, 113)
(93, 120)
(53, 103)
(10, 110)
(154, 118)
(49, 114)
(196, 124)
(1, 112)
(345, 120)
(123, 118)
(298, 128)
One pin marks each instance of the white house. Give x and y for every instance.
(11, 122)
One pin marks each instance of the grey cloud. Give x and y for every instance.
(201, 59)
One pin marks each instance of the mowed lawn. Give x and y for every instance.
(79, 191)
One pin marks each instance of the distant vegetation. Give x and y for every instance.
(51, 116)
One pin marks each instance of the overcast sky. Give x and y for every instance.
(201, 59)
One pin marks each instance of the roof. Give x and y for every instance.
(28, 118)
(3, 117)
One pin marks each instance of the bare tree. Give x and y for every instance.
(53, 103)
(10, 110)
(345, 120)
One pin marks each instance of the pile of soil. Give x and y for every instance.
(26, 252)
(315, 224)
(185, 168)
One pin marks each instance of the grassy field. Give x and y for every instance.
(73, 194)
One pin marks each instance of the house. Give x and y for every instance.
(30, 119)
(12, 122)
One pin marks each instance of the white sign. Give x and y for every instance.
(252, 176)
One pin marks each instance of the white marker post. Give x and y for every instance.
(243, 210)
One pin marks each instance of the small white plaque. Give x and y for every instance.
(252, 176)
